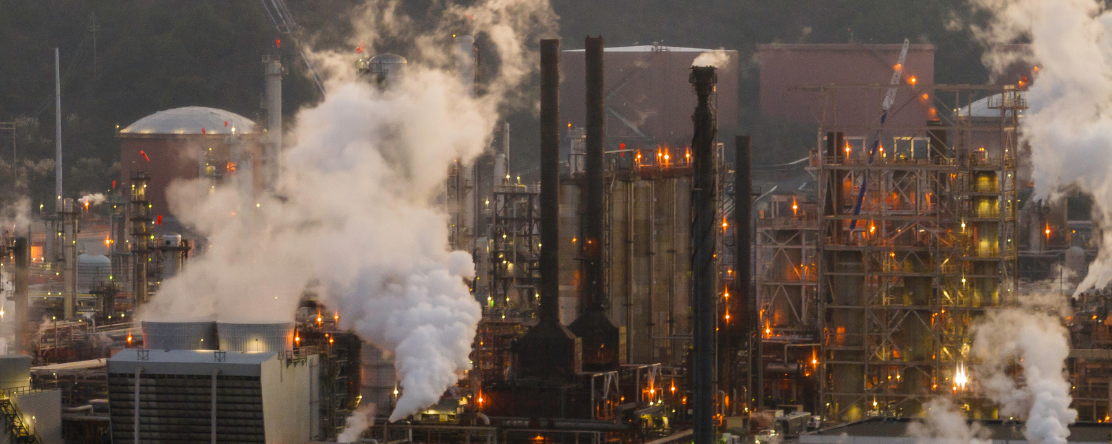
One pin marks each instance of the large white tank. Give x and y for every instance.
(255, 337)
(91, 270)
(179, 335)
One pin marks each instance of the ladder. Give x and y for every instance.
(17, 430)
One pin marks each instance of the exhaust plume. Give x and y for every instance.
(354, 205)
(1068, 124)
(361, 419)
(92, 199)
(716, 59)
(944, 423)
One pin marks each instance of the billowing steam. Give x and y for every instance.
(945, 424)
(716, 59)
(361, 419)
(92, 199)
(354, 209)
(1069, 121)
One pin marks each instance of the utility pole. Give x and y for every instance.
(57, 134)
(93, 27)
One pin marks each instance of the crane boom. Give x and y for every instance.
(889, 99)
(283, 21)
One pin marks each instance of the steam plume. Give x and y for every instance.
(357, 423)
(92, 199)
(1069, 121)
(354, 208)
(945, 424)
(716, 59)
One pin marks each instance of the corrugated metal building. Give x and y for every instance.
(181, 395)
(788, 69)
(647, 94)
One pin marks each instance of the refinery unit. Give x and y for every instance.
(645, 284)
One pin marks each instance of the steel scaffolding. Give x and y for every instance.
(932, 246)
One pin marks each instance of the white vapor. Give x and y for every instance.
(716, 59)
(354, 208)
(945, 424)
(92, 199)
(1069, 121)
(362, 418)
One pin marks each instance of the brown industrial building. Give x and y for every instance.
(790, 74)
(184, 143)
(648, 97)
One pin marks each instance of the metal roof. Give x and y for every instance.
(188, 362)
(190, 120)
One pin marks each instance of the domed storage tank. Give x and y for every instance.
(256, 337)
(179, 335)
(91, 270)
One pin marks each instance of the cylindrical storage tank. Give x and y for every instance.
(15, 371)
(91, 270)
(179, 335)
(256, 337)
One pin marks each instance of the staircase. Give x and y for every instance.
(17, 430)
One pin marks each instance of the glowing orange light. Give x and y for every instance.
(925, 96)
(913, 80)
(129, 338)
(337, 317)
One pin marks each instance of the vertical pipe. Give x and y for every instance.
(591, 225)
(135, 431)
(746, 308)
(550, 181)
(21, 280)
(273, 120)
(703, 236)
(57, 134)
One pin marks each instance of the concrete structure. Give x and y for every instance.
(179, 395)
(648, 97)
(787, 70)
(185, 143)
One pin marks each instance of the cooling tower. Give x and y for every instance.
(179, 335)
(256, 337)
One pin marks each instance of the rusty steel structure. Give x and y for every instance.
(932, 248)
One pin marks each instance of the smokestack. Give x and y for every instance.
(741, 331)
(702, 264)
(601, 339)
(273, 120)
(57, 134)
(22, 252)
(549, 351)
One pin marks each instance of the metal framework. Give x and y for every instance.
(514, 247)
(933, 248)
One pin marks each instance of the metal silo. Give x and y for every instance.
(256, 337)
(179, 335)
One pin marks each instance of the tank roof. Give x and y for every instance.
(190, 120)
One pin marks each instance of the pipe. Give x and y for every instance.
(57, 134)
(550, 181)
(703, 237)
(274, 120)
(135, 431)
(746, 306)
(21, 280)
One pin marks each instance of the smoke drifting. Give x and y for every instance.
(1069, 121)
(92, 199)
(945, 424)
(716, 59)
(357, 423)
(354, 211)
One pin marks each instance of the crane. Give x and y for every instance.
(889, 99)
(280, 15)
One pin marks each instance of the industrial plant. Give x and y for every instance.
(399, 261)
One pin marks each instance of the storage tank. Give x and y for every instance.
(255, 337)
(179, 335)
(92, 269)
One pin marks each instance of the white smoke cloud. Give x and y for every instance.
(1040, 343)
(361, 419)
(15, 217)
(1069, 121)
(945, 424)
(716, 59)
(354, 209)
(92, 199)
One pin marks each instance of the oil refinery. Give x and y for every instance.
(491, 234)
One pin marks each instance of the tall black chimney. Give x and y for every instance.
(21, 247)
(602, 348)
(549, 351)
(702, 263)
